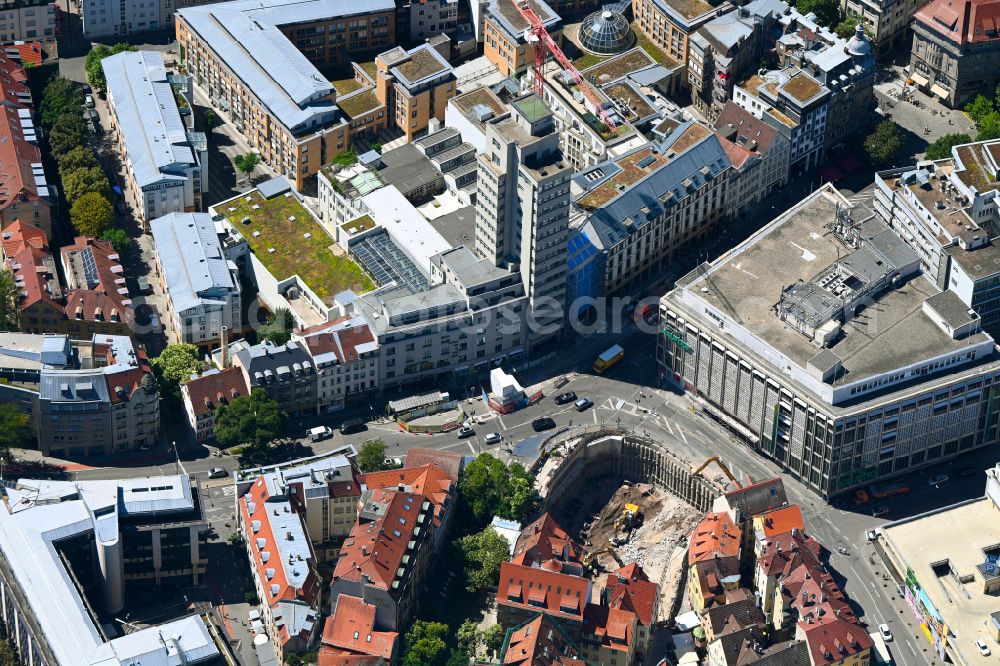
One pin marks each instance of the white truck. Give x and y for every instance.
(319, 432)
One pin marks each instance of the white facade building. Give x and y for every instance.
(202, 287)
(28, 20)
(163, 161)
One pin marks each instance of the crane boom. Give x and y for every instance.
(546, 43)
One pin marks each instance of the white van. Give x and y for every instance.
(319, 432)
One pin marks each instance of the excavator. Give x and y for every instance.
(630, 519)
(591, 558)
(722, 466)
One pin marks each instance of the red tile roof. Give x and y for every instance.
(351, 631)
(545, 540)
(27, 252)
(813, 592)
(17, 179)
(105, 296)
(209, 391)
(630, 589)
(713, 572)
(784, 552)
(748, 128)
(716, 534)
(266, 554)
(962, 21)
(834, 640)
(540, 642)
(28, 52)
(780, 521)
(613, 627)
(531, 588)
(737, 154)
(333, 338)
(449, 462)
(375, 548)
(428, 481)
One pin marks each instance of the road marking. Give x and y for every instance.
(472, 448)
(681, 431)
(595, 417)
(669, 429)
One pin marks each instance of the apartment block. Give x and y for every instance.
(670, 24)
(204, 395)
(285, 372)
(73, 547)
(728, 47)
(201, 286)
(946, 211)
(345, 354)
(414, 86)
(955, 53)
(886, 22)
(25, 195)
(636, 211)
(504, 41)
(85, 398)
(29, 20)
(835, 406)
(759, 154)
(292, 517)
(418, 20)
(258, 62)
(523, 208)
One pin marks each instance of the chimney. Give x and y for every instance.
(224, 335)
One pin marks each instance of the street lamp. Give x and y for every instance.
(177, 458)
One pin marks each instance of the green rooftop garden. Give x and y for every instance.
(359, 104)
(282, 224)
(345, 86)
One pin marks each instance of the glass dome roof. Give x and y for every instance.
(606, 33)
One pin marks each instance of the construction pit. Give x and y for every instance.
(638, 523)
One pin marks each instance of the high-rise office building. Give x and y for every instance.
(523, 208)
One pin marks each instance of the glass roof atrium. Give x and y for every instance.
(606, 33)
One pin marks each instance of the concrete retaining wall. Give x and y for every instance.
(585, 455)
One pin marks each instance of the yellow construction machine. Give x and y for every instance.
(722, 466)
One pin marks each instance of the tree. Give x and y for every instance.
(247, 163)
(488, 487)
(346, 158)
(469, 638)
(119, 240)
(827, 11)
(493, 639)
(13, 428)
(61, 96)
(92, 64)
(84, 181)
(175, 366)
(68, 132)
(483, 553)
(425, 644)
(979, 107)
(7, 655)
(81, 157)
(941, 148)
(884, 142)
(210, 120)
(92, 214)
(989, 127)
(845, 29)
(254, 421)
(10, 293)
(371, 457)
(278, 328)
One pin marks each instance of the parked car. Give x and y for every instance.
(218, 473)
(544, 423)
(871, 535)
(583, 404)
(880, 511)
(493, 438)
(886, 633)
(88, 101)
(983, 648)
(968, 471)
(937, 480)
(353, 425)
(87, 89)
(566, 397)
(465, 431)
(319, 432)
(394, 463)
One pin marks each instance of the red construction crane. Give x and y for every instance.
(544, 42)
